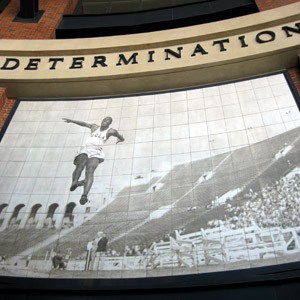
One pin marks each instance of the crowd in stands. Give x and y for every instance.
(275, 205)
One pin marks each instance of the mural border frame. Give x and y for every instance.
(288, 273)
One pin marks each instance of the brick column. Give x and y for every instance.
(3, 97)
(295, 75)
(44, 29)
(5, 106)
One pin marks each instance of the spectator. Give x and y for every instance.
(58, 262)
(102, 242)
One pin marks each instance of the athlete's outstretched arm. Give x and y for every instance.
(115, 133)
(80, 123)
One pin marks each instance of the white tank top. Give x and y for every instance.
(97, 138)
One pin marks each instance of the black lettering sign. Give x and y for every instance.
(151, 53)
(33, 64)
(221, 44)
(11, 64)
(242, 40)
(54, 61)
(173, 53)
(77, 63)
(125, 61)
(199, 49)
(288, 29)
(99, 60)
(265, 37)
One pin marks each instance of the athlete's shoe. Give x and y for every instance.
(83, 200)
(76, 185)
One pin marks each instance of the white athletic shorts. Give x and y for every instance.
(91, 152)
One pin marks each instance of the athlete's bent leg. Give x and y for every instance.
(90, 168)
(80, 162)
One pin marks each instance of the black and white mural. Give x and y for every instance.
(194, 181)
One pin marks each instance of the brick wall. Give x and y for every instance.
(3, 97)
(5, 106)
(269, 4)
(295, 75)
(44, 29)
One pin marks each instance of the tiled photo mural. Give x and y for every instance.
(194, 181)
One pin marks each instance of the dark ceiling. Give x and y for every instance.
(117, 17)
(123, 6)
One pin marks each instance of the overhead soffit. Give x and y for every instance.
(121, 6)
